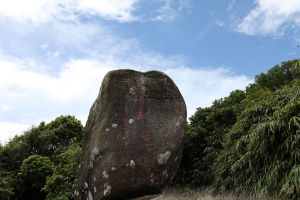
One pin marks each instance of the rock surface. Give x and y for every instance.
(133, 138)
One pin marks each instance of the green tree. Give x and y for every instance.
(6, 186)
(61, 185)
(204, 138)
(44, 140)
(278, 76)
(249, 141)
(262, 148)
(33, 173)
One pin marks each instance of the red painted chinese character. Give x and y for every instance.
(144, 133)
(141, 114)
(140, 97)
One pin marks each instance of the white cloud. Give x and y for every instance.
(168, 11)
(77, 79)
(41, 11)
(270, 16)
(38, 11)
(76, 86)
(200, 87)
(9, 129)
(120, 10)
(34, 10)
(4, 108)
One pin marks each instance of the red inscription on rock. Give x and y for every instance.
(140, 115)
(143, 133)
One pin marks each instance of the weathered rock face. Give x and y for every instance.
(134, 137)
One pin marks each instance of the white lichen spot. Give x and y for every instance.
(90, 196)
(176, 158)
(163, 158)
(132, 163)
(165, 173)
(105, 175)
(79, 166)
(107, 189)
(143, 87)
(113, 168)
(152, 181)
(152, 175)
(94, 154)
(177, 123)
(131, 90)
(107, 129)
(77, 194)
(94, 178)
(86, 185)
(114, 125)
(130, 121)
(95, 189)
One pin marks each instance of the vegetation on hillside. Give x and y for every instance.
(43, 162)
(248, 142)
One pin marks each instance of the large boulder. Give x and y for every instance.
(133, 137)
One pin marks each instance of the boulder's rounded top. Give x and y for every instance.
(124, 71)
(158, 85)
(130, 72)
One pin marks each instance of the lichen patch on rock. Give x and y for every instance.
(107, 189)
(132, 163)
(105, 175)
(163, 158)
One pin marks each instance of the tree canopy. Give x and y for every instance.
(31, 164)
(248, 141)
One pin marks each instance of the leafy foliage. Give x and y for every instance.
(41, 140)
(249, 142)
(33, 173)
(262, 148)
(61, 185)
(27, 159)
(278, 76)
(6, 186)
(204, 139)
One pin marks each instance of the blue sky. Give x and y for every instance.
(54, 53)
